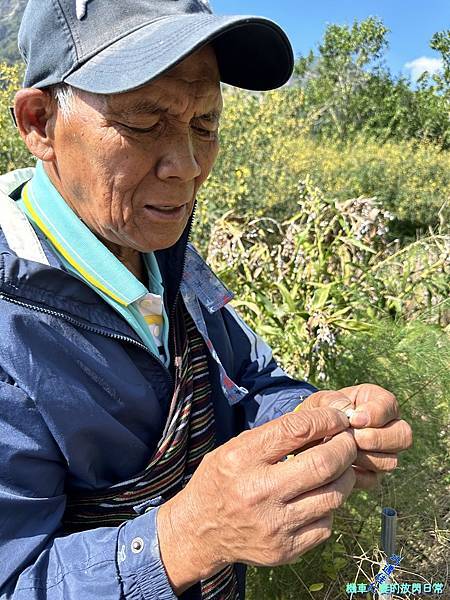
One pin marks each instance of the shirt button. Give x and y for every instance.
(137, 545)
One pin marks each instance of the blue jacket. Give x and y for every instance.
(83, 403)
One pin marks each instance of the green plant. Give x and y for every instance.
(13, 152)
(327, 270)
(411, 360)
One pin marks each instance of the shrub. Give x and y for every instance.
(411, 360)
(326, 270)
(13, 152)
(266, 149)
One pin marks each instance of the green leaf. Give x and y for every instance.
(352, 325)
(268, 305)
(301, 314)
(315, 587)
(288, 297)
(339, 563)
(340, 312)
(360, 245)
(270, 330)
(251, 305)
(320, 297)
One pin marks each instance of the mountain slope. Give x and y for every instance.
(10, 15)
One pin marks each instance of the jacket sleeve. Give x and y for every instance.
(37, 561)
(271, 391)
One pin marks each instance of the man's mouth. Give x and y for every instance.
(166, 212)
(165, 208)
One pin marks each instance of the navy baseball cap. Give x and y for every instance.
(112, 46)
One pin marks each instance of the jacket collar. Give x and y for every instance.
(83, 251)
(37, 284)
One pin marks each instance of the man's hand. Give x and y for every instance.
(379, 433)
(245, 504)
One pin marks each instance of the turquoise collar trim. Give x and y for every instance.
(78, 244)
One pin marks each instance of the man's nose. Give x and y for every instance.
(178, 158)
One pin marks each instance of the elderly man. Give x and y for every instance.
(144, 426)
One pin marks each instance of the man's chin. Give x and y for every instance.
(160, 245)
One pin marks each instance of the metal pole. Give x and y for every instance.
(388, 530)
(388, 540)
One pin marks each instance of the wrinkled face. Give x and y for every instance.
(119, 156)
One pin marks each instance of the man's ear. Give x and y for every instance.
(35, 111)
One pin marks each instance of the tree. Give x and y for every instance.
(347, 88)
(333, 78)
(441, 43)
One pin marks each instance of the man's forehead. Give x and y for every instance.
(157, 96)
(146, 103)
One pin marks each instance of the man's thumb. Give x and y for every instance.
(333, 398)
(344, 404)
(293, 431)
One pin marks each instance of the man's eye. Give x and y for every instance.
(206, 133)
(139, 130)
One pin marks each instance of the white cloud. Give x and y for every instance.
(424, 63)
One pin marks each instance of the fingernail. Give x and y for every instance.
(359, 419)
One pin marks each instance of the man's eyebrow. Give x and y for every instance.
(145, 106)
(139, 107)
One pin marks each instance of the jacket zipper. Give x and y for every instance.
(172, 311)
(115, 336)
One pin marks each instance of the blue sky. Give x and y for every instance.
(412, 23)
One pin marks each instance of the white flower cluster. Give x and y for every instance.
(369, 219)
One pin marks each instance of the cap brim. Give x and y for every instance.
(252, 52)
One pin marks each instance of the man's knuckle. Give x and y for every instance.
(321, 466)
(393, 404)
(296, 426)
(327, 529)
(351, 447)
(367, 439)
(389, 396)
(388, 463)
(271, 553)
(319, 534)
(408, 434)
(281, 556)
(351, 477)
(393, 463)
(346, 447)
(333, 500)
(231, 456)
(378, 390)
(277, 532)
(241, 496)
(254, 491)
